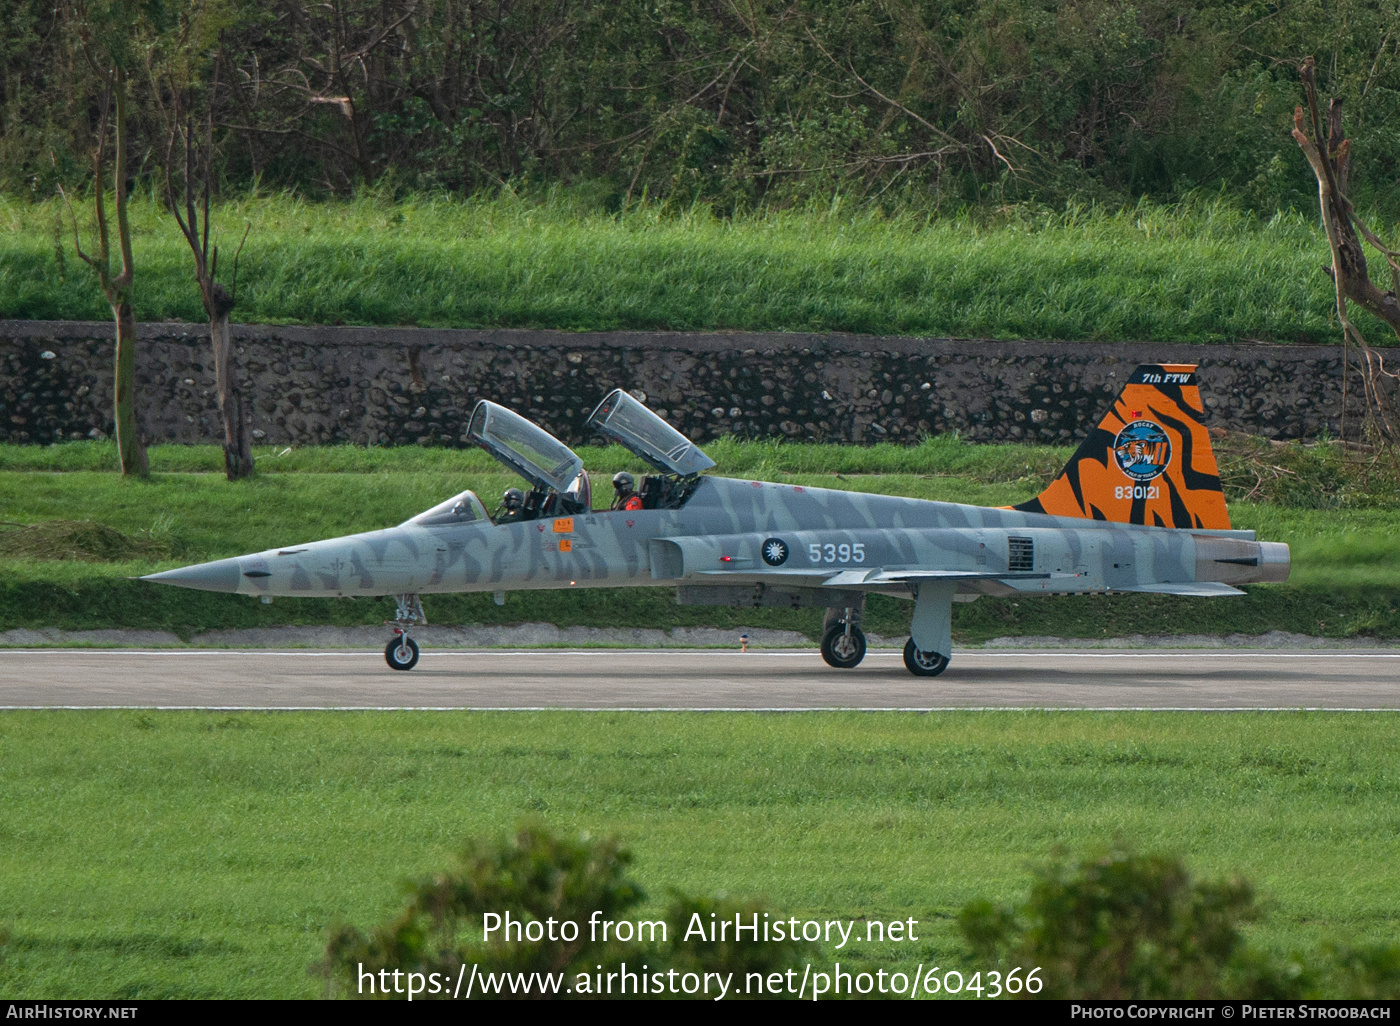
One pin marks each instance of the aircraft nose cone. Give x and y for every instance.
(220, 575)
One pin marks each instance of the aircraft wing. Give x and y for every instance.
(875, 577)
(1205, 589)
(855, 578)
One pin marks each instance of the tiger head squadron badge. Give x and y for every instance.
(1142, 450)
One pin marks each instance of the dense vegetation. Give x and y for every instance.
(939, 103)
(1198, 272)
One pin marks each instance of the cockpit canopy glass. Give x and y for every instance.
(623, 418)
(528, 449)
(465, 508)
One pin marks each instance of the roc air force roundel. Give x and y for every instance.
(775, 552)
(1143, 450)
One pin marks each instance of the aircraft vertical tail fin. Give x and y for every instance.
(1149, 461)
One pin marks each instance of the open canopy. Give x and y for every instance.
(623, 419)
(524, 447)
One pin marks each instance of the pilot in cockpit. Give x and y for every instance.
(512, 506)
(625, 487)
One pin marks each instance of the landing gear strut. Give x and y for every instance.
(402, 651)
(843, 642)
(930, 629)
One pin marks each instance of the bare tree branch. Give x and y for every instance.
(850, 69)
(77, 242)
(1329, 157)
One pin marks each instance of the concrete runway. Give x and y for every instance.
(697, 679)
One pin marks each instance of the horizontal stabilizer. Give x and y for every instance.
(1204, 589)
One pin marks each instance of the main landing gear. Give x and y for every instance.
(923, 664)
(930, 629)
(402, 652)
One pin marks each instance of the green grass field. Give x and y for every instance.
(148, 854)
(1197, 273)
(1346, 556)
(188, 854)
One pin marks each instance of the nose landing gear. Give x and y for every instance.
(402, 651)
(843, 646)
(843, 642)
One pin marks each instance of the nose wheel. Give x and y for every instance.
(402, 653)
(843, 645)
(923, 664)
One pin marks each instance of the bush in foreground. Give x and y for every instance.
(1122, 924)
(539, 878)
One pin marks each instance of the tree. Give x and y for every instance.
(104, 39)
(196, 186)
(1330, 157)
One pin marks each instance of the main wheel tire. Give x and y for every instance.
(923, 664)
(402, 653)
(841, 650)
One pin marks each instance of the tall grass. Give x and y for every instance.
(1198, 272)
(942, 454)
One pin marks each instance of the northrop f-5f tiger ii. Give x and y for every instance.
(1138, 508)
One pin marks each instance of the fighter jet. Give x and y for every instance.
(1138, 508)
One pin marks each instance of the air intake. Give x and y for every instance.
(1020, 554)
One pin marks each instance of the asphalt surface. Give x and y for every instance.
(696, 679)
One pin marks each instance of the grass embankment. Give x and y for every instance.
(1197, 273)
(150, 854)
(1346, 554)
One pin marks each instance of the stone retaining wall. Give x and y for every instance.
(387, 386)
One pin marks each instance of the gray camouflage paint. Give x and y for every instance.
(862, 543)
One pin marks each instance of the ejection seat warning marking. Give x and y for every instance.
(566, 545)
(564, 525)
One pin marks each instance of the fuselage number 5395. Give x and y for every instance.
(829, 553)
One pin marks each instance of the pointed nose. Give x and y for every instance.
(220, 575)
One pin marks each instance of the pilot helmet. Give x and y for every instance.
(512, 498)
(624, 482)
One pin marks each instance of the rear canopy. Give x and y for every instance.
(626, 421)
